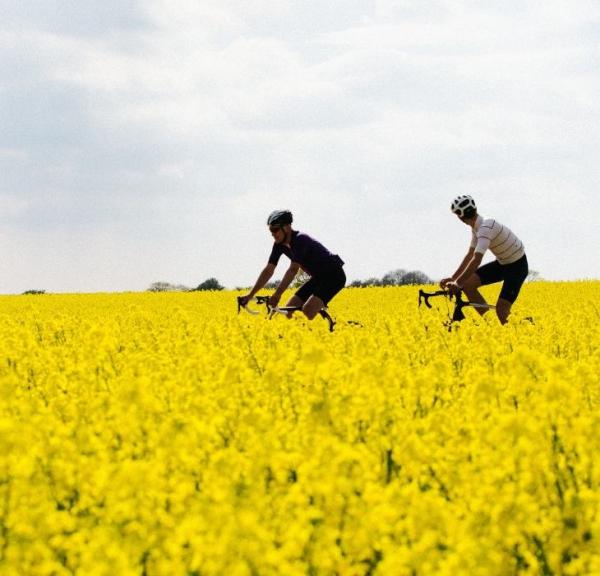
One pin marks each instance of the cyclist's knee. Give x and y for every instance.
(312, 306)
(471, 284)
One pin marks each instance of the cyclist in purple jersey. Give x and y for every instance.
(326, 271)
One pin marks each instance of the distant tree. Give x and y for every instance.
(533, 276)
(209, 284)
(393, 278)
(365, 283)
(415, 277)
(34, 292)
(167, 287)
(397, 277)
(402, 277)
(272, 285)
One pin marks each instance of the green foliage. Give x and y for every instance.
(209, 284)
(397, 277)
(167, 287)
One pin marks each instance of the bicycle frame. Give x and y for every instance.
(272, 310)
(459, 304)
(291, 309)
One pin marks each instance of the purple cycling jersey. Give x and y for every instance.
(312, 256)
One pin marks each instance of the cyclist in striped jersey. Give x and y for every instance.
(510, 266)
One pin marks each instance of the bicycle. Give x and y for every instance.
(286, 310)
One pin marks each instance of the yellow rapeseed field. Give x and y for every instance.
(163, 434)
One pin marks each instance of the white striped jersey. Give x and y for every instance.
(504, 245)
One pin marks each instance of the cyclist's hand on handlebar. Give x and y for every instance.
(245, 299)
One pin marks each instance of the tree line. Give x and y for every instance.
(399, 277)
(208, 284)
(393, 278)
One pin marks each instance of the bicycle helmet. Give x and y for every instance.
(280, 218)
(463, 206)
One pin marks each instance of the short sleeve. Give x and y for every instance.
(473, 239)
(485, 235)
(483, 244)
(275, 255)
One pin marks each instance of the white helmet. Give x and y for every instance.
(463, 206)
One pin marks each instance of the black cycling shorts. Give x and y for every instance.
(513, 275)
(324, 286)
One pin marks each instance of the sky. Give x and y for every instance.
(146, 141)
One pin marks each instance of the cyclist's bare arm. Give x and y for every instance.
(463, 265)
(470, 268)
(262, 279)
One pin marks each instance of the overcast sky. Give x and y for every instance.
(148, 140)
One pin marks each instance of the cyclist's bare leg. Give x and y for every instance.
(312, 307)
(296, 302)
(470, 288)
(503, 310)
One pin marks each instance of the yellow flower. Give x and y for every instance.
(164, 434)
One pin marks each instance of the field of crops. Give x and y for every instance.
(163, 434)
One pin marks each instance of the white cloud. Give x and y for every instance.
(133, 133)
